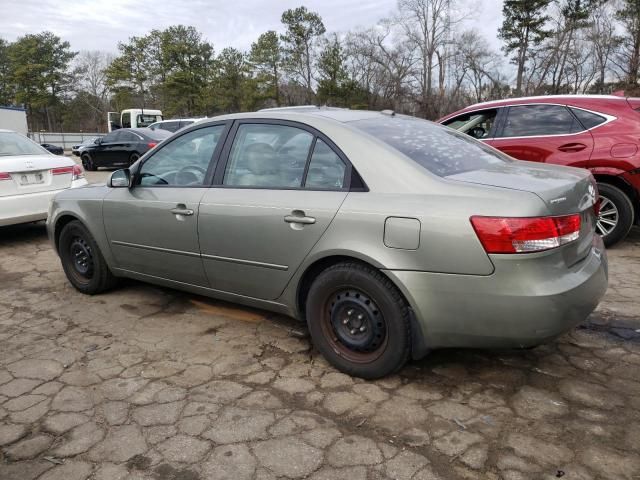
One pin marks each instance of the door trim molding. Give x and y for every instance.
(155, 249)
(240, 261)
(273, 266)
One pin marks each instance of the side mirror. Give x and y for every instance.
(120, 179)
(98, 141)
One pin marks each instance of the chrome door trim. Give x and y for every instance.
(240, 261)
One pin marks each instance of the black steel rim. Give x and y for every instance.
(355, 325)
(81, 257)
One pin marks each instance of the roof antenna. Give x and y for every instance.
(388, 112)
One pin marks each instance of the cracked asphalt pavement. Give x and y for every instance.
(151, 383)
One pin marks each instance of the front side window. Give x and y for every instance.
(326, 170)
(440, 150)
(476, 124)
(184, 161)
(535, 120)
(268, 156)
(110, 138)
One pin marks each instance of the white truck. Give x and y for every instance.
(132, 118)
(14, 118)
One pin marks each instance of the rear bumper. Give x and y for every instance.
(522, 304)
(30, 207)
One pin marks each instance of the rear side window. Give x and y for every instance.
(439, 149)
(268, 156)
(326, 170)
(588, 119)
(535, 120)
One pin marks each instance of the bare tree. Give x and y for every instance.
(427, 25)
(91, 83)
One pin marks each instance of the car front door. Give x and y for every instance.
(276, 194)
(153, 227)
(544, 133)
(100, 153)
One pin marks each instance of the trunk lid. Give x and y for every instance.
(564, 190)
(24, 174)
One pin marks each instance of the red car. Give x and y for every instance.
(598, 132)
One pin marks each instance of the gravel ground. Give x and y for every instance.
(146, 382)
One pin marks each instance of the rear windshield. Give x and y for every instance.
(15, 144)
(158, 134)
(439, 149)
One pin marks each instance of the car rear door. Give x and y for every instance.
(275, 195)
(153, 227)
(544, 133)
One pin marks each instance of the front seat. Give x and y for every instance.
(262, 162)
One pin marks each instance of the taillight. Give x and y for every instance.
(61, 170)
(151, 144)
(5, 176)
(522, 235)
(78, 172)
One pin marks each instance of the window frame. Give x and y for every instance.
(214, 160)
(568, 107)
(350, 172)
(495, 128)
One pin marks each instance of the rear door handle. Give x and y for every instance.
(572, 147)
(181, 209)
(298, 216)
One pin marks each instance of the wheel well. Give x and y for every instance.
(60, 224)
(313, 271)
(418, 343)
(625, 187)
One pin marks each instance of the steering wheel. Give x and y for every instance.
(197, 173)
(477, 132)
(160, 180)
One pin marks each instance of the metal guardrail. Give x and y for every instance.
(63, 139)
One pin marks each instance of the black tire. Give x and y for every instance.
(133, 158)
(82, 260)
(384, 345)
(625, 213)
(87, 162)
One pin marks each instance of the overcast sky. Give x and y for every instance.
(94, 25)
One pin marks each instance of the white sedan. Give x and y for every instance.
(29, 177)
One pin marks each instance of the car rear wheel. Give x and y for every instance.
(87, 162)
(82, 261)
(359, 320)
(616, 214)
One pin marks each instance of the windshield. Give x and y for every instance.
(146, 120)
(439, 149)
(12, 143)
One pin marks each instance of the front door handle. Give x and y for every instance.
(298, 216)
(572, 147)
(181, 209)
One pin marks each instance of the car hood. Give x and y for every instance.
(564, 189)
(22, 163)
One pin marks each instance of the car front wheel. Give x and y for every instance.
(616, 214)
(359, 320)
(87, 162)
(82, 260)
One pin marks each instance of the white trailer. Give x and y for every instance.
(132, 118)
(14, 118)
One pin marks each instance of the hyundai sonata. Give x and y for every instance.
(388, 235)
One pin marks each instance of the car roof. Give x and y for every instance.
(308, 112)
